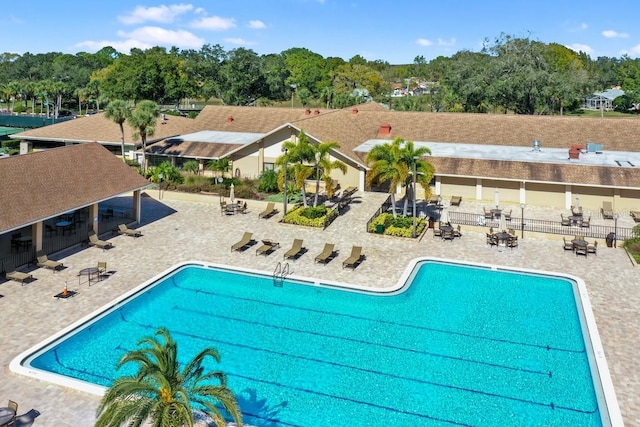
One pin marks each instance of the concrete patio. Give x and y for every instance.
(184, 227)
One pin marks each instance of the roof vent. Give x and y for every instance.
(536, 145)
(385, 128)
(354, 111)
(316, 112)
(230, 119)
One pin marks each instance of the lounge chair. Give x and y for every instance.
(635, 215)
(455, 200)
(295, 251)
(13, 407)
(268, 211)
(267, 247)
(243, 243)
(607, 210)
(354, 259)
(12, 274)
(123, 229)
(327, 253)
(45, 262)
(95, 241)
(433, 199)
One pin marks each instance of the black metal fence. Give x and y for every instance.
(542, 226)
(383, 208)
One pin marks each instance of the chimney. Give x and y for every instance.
(316, 112)
(230, 119)
(307, 112)
(354, 111)
(574, 151)
(385, 128)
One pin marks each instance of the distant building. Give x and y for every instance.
(602, 100)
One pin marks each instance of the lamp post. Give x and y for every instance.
(615, 230)
(160, 176)
(286, 160)
(522, 220)
(413, 232)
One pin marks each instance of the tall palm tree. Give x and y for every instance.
(301, 153)
(386, 165)
(143, 120)
(324, 165)
(424, 170)
(162, 394)
(118, 112)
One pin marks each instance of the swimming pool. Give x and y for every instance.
(459, 344)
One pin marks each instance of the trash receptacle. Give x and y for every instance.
(609, 239)
(380, 229)
(431, 223)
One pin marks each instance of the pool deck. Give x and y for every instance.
(181, 228)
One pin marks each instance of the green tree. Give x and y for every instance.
(386, 166)
(143, 121)
(118, 112)
(162, 393)
(218, 165)
(411, 155)
(323, 165)
(301, 154)
(192, 166)
(242, 78)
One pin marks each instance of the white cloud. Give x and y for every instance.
(163, 14)
(424, 42)
(238, 41)
(634, 51)
(257, 25)
(214, 23)
(578, 47)
(612, 34)
(584, 26)
(123, 46)
(163, 37)
(448, 43)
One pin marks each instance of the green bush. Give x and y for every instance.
(314, 212)
(398, 226)
(268, 182)
(297, 216)
(19, 108)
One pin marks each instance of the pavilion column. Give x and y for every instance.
(260, 157)
(568, 196)
(37, 233)
(438, 188)
(94, 217)
(523, 193)
(137, 205)
(479, 189)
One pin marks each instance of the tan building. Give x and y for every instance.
(537, 160)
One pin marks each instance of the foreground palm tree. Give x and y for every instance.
(162, 394)
(323, 166)
(143, 120)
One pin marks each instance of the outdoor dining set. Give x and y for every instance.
(575, 219)
(446, 231)
(503, 238)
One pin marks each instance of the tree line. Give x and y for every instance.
(509, 74)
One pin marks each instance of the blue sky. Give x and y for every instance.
(392, 30)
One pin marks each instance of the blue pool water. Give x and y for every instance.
(459, 346)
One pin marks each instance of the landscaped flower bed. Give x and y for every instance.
(319, 216)
(399, 226)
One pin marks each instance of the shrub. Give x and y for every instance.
(314, 212)
(268, 182)
(297, 216)
(399, 226)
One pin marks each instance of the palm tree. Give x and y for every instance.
(301, 153)
(386, 165)
(424, 169)
(324, 164)
(143, 120)
(219, 165)
(118, 112)
(162, 394)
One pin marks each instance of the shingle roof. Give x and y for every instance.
(41, 184)
(99, 128)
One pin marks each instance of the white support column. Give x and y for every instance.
(361, 180)
(37, 237)
(438, 185)
(94, 217)
(567, 197)
(523, 193)
(137, 205)
(479, 189)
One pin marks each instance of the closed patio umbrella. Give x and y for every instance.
(496, 198)
(232, 194)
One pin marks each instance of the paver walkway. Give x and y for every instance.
(178, 230)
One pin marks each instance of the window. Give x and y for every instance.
(269, 166)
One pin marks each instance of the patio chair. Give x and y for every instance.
(95, 241)
(326, 255)
(513, 242)
(457, 232)
(267, 247)
(354, 259)
(565, 221)
(123, 229)
(581, 250)
(607, 210)
(491, 239)
(243, 243)
(448, 235)
(102, 268)
(455, 200)
(586, 223)
(568, 246)
(507, 215)
(593, 248)
(12, 274)
(487, 213)
(295, 251)
(436, 231)
(45, 262)
(268, 211)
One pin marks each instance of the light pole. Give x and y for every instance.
(293, 89)
(413, 232)
(160, 176)
(522, 220)
(286, 160)
(615, 230)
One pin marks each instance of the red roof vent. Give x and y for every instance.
(316, 112)
(385, 128)
(354, 111)
(307, 112)
(230, 119)
(574, 151)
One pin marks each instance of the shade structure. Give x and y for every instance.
(496, 198)
(232, 191)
